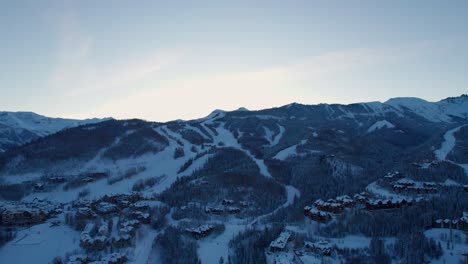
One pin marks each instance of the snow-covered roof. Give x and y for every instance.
(281, 241)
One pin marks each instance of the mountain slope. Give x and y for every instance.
(17, 128)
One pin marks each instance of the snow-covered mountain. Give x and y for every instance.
(17, 128)
(238, 171)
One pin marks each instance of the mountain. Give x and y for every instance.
(17, 128)
(365, 180)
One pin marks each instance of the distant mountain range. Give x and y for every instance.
(17, 128)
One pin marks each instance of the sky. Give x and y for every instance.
(167, 60)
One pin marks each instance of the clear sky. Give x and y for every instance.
(165, 60)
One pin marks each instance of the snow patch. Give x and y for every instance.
(379, 125)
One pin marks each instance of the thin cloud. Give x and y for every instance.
(75, 74)
(268, 87)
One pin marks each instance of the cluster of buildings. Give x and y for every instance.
(228, 206)
(321, 247)
(380, 204)
(201, 231)
(410, 186)
(460, 224)
(27, 213)
(323, 211)
(112, 258)
(107, 205)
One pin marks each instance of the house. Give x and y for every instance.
(244, 204)
(106, 208)
(143, 217)
(321, 247)
(329, 206)
(360, 197)
(201, 231)
(214, 210)
(317, 215)
(22, 216)
(228, 202)
(56, 179)
(140, 206)
(345, 201)
(233, 210)
(280, 243)
(86, 212)
(121, 241)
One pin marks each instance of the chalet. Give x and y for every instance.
(127, 230)
(244, 204)
(143, 217)
(106, 208)
(56, 179)
(86, 212)
(317, 215)
(228, 202)
(360, 197)
(214, 210)
(140, 206)
(232, 210)
(87, 179)
(82, 203)
(406, 182)
(391, 176)
(201, 231)
(380, 204)
(280, 243)
(133, 223)
(121, 241)
(345, 201)
(22, 216)
(330, 206)
(321, 247)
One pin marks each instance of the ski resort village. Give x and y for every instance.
(303, 184)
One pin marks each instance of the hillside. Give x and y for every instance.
(315, 171)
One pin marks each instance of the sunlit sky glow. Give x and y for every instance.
(165, 60)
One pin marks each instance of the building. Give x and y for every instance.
(317, 215)
(280, 243)
(321, 247)
(201, 231)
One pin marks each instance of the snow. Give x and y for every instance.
(144, 243)
(436, 112)
(278, 137)
(287, 152)
(379, 125)
(292, 151)
(229, 140)
(210, 249)
(458, 239)
(41, 125)
(40, 243)
(448, 144)
(161, 163)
